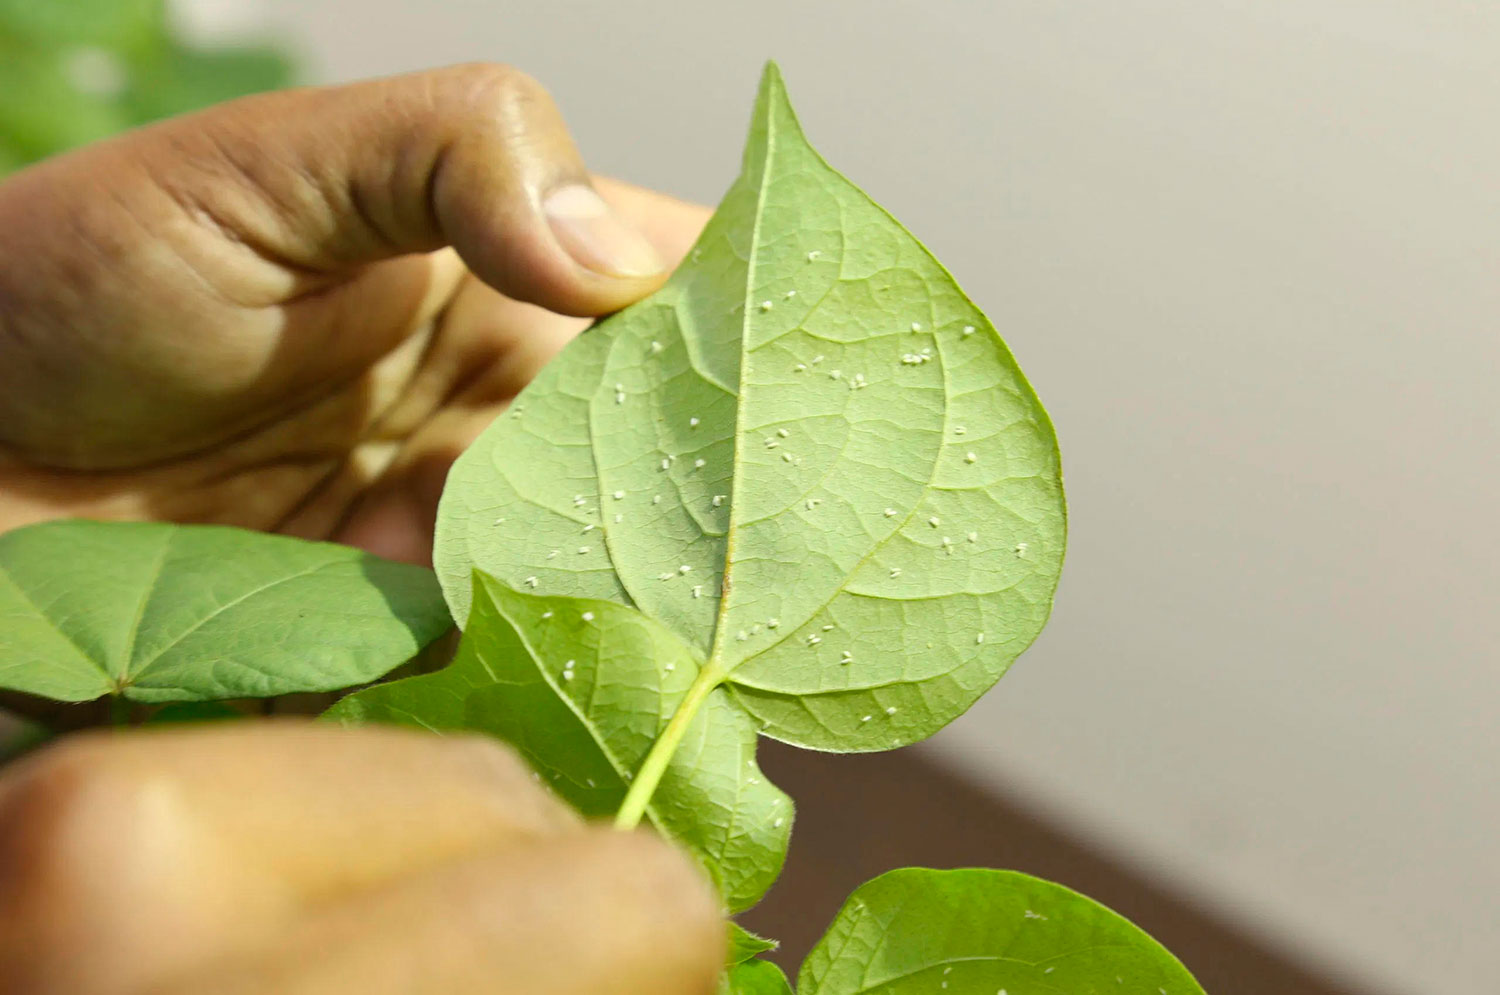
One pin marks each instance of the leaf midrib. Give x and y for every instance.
(127, 655)
(624, 775)
(715, 661)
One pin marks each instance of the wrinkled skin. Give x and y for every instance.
(291, 313)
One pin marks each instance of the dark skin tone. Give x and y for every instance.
(291, 313)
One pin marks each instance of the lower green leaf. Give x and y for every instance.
(754, 977)
(195, 711)
(744, 945)
(582, 689)
(156, 613)
(984, 932)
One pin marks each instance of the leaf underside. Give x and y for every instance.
(887, 556)
(158, 612)
(809, 457)
(918, 932)
(583, 700)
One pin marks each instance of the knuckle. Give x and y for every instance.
(493, 91)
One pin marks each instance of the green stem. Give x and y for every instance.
(655, 764)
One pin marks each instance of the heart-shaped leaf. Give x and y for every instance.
(583, 689)
(809, 455)
(157, 612)
(984, 932)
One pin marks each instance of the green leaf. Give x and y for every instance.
(189, 712)
(583, 689)
(42, 112)
(111, 24)
(178, 79)
(158, 612)
(984, 932)
(755, 977)
(815, 424)
(808, 457)
(10, 159)
(744, 944)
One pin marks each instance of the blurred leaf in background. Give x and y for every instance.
(72, 71)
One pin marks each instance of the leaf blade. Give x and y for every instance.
(755, 977)
(743, 945)
(920, 545)
(982, 931)
(809, 455)
(582, 688)
(195, 613)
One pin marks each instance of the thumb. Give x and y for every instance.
(478, 157)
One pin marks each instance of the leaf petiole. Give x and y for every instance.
(655, 764)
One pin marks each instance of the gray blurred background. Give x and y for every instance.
(1247, 251)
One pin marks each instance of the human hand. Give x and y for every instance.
(297, 858)
(292, 312)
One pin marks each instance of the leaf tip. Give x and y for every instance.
(773, 114)
(770, 77)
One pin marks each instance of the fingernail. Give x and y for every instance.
(595, 236)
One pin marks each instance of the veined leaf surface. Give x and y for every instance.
(582, 688)
(157, 612)
(981, 932)
(809, 455)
